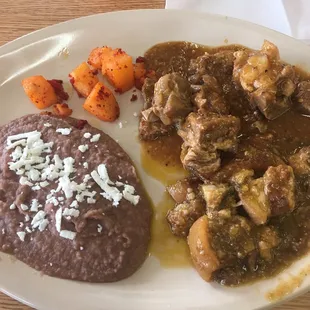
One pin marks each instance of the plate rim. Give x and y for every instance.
(38, 35)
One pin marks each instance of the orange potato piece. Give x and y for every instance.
(118, 68)
(94, 58)
(62, 110)
(39, 91)
(83, 79)
(102, 103)
(106, 58)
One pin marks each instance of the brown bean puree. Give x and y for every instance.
(71, 203)
(238, 120)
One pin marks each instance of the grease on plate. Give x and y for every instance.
(288, 286)
(160, 159)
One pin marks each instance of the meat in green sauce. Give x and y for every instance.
(242, 117)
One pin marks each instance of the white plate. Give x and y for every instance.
(152, 287)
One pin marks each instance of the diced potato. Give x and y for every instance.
(39, 91)
(202, 253)
(118, 68)
(102, 103)
(83, 79)
(94, 58)
(106, 58)
(62, 110)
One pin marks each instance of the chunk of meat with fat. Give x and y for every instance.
(148, 92)
(302, 97)
(268, 81)
(201, 251)
(180, 190)
(268, 239)
(219, 242)
(200, 162)
(171, 101)
(153, 130)
(217, 196)
(182, 217)
(210, 131)
(219, 65)
(203, 136)
(149, 115)
(248, 157)
(231, 238)
(252, 196)
(300, 162)
(271, 195)
(279, 188)
(209, 96)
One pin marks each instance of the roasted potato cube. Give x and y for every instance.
(94, 58)
(83, 79)
(102, 103)
(39, 91)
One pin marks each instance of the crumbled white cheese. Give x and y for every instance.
(37, 219)
(120, 124)
(27, 218)
(43, 224)
(36, 188)
(83, 148)
(3, 231)
(29, 231)
(119, 177)
(102, 179)
(16, 143)
(60, 198)
(47, 125)
(51, 264)
(135, 114)
(85, 165)
(68, 165)
(24, 207)
(21, 235)
(67, 234)
(20, 136)
(74, 204)
(87, 135)
(21, 224)
(44, 184)
(81, 248)
(99, 228)
(12, 206)
(91, 200)
(128, 194)
(53, 201)
(87, 177)
(71, 212)
(64, 131)
(34, 175)
(17, 153)
(24, 181)
(58, 216)
(34, 205)
(95, 138)
(117, 183)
